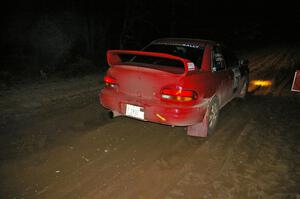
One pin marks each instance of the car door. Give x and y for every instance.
(223, 75)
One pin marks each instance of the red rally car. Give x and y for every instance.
(174, 81)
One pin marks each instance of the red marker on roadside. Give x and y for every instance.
(296, 82)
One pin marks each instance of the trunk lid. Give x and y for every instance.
(144, 74)
(140, 82)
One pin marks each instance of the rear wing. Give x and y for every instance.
(113, 58)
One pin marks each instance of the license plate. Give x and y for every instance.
(135, 111)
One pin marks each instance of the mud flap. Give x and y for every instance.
(199, 129)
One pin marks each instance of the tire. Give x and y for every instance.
(212, 115)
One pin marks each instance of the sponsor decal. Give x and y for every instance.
(190, 45)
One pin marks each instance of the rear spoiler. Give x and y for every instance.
(113, 57)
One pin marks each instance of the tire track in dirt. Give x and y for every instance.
(267, 66)
(252, 162)
(82, 156)
(256, 64)
(278, 69)
(153, 172)
(284, 74)
(91, 173)
(158, 176)
(214, 158)
(203, 152)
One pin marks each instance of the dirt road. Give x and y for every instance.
(57, 142)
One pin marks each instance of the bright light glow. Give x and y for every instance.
(263, 83)
(178, 94)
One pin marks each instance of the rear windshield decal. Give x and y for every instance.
(190, 45)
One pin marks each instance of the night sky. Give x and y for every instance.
(54, 35)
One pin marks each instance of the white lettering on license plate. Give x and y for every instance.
(135, 111)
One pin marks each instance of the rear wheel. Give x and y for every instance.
(213, 115)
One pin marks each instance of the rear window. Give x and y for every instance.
(193, 54)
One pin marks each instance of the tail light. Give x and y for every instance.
(179, 95)
(110, 82)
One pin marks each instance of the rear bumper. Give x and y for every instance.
(159, 112)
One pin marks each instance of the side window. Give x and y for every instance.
(218, 60)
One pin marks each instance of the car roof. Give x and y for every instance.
(184, 41)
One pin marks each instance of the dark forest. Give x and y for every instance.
(70, 38)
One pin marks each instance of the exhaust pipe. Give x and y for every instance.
(113, 114)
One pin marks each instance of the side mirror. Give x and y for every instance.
(243, 62)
